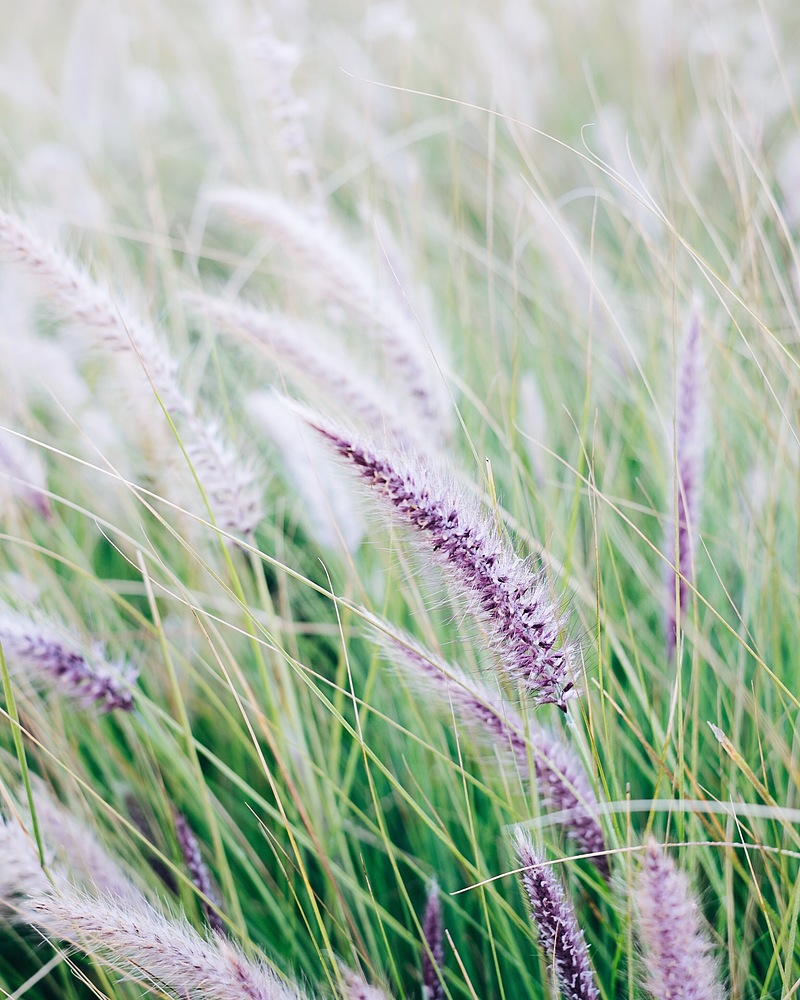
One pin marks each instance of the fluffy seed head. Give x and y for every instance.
(190, 849)
(336, 275)
(560, 777)
(310, 358)
(676, 949)
(22, 474)
(76, 848)
(50, 657)
(83, 302)
(689, 448)
(20, 869)
(135, 939)
(512, 600)
(433, 955)
(229, 480)
(355, 987)
(560, 937)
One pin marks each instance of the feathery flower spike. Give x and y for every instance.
(80, 300)
(22, 472)
(677, 952)
(136, 940)
(303, 349)
(560, 777)
(513, 601)
(76, 849)
(689, 448)
(560, 938)
(230, 482)
(21, 872)
(331, 270)
(355, 987)
(49, 657)
(190, 849)
(433, 955)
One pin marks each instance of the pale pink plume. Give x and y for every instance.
(229, 481)
(678, 961)
(332, 272)
(164, 952)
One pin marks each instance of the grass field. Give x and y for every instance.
(399, 451)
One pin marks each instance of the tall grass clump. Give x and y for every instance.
(399, 500)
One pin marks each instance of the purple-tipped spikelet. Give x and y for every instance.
(689, 448)
(47, 657)
(136, 940)
(560, 938)
(198, 872)
(676, 949)
(560, 777)
(513, 601)
(433, 954)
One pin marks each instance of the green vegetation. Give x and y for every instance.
(488, 228)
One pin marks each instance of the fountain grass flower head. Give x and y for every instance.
(312, 359)
(229, 479)
(683, 530)
(355, 987)
(47, 656)
(433, 953)
(513, 601)
(199, 873)
(677, 951)
(333, 273)
(21, 872)
(561, 780)
(165, 952)
(560, 938)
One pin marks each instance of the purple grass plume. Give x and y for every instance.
(198, 872)
(138, 941)
(561, 779)
(433, 954)
(560, 938)
(677, 953)
(513, 601)
(49, 657)
(689, 447)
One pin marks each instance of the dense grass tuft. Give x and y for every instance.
(398, 463)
